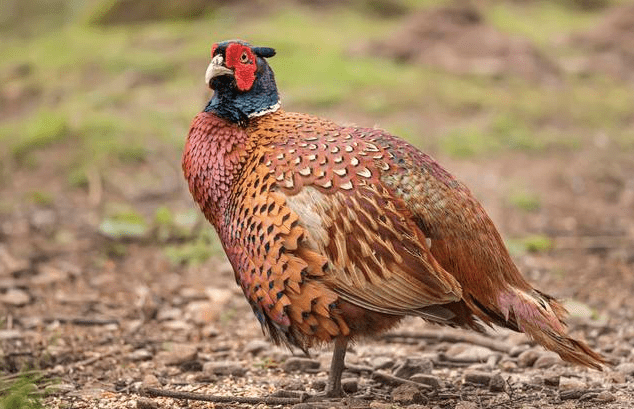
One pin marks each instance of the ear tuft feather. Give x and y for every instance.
(264, 52)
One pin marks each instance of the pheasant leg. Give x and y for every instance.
(333, 388)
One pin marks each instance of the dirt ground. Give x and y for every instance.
(457, 39)
(105, 319)
(105, 325)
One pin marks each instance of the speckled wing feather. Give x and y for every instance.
(377, 258)
(278, 276)
(465, 242)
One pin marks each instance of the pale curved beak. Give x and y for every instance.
(216, 69)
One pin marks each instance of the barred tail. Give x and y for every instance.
(541, 318)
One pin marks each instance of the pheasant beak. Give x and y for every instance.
(215, 69)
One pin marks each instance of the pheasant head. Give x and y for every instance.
(243, 83)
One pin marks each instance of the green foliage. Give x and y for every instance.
(120, 92)
(163, 216)
(123, 223)
(466, 142)
(195, 252)
(20, 393)
(537, 243)
(180, 226)
(554, 18)
(38, 131)
(40, 198)
(78, 178)
(526, 201)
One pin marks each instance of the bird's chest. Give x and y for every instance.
(212, 161)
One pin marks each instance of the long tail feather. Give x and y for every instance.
(541, 318)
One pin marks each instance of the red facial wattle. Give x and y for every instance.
(244, 69)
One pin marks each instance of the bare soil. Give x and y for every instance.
(105, 323)
(106, 319)
(457, 39)
(609, 47)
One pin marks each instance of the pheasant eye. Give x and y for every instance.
(244, 58)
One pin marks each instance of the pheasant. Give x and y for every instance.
(339, 232)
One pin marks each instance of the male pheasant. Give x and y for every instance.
(336, 232)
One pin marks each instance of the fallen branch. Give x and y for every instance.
(83, 321)
(269, 400)
(445, 335)
(392, 380)
(358, 368)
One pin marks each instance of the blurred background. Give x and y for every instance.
(530, 103)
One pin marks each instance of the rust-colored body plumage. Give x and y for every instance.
(336, 232)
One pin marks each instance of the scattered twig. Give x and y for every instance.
(154, 392)
(388, 379)
(83, 321)
(444, 335)
(576, 393)
(358, 368)
(35, 373)
(511, 401)
(91, 360)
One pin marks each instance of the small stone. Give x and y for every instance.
(382, 362)
(191, 366)
(201, 312)
(380, 405)
(626, 368)
(465, 404)
(546, 360)
(43, 219)
(209, 331)
(177, 325)
(6, 334)
(256, 346)
(413, 366)
(528, 358)
(551, 380)
(145, 403)
(622, 351)
(219, 297)
(477, 377)
(617, 377)
(497, 383)
(569, 384)
(140, 355)
(425, 379)
(167, 314)
(178, 354)
(472, 353)
(10, 264)
(605, 396)
(224, 368)
(58, 370)
(350, 385)
(536, 380)
(49, 275)
(15, 297)
(517, 350)
(319, 384)
(150, 381)
(297, 364)
(507, 365)
(407, 394)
